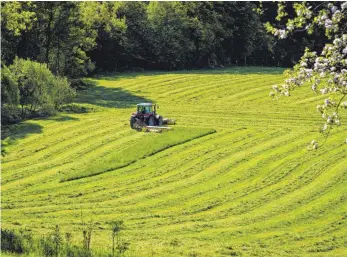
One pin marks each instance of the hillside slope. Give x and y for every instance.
(251, 188)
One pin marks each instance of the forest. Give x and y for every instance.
(77, 38)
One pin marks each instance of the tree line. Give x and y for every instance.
(76, 39)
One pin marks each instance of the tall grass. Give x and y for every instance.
(147, 145)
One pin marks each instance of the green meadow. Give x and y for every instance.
(233, 178)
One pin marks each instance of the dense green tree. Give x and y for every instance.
(137, 43)
(170, 39)
(206, 29)
(65, 36)
(39, 89)
(9, 88)
(57, 33)
(110, 28)
(16, 19)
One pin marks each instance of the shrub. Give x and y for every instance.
(47, 247)
(62, 92)
(10, 115)
(11, 242)
(9, 88)
(39, 89)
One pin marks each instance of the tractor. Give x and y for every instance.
(145, 115)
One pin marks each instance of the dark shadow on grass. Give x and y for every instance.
(21, 130)
(109, 97)
(11, 133)
(113, 76)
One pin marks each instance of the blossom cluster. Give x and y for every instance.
(326, 72)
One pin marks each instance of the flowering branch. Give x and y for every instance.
(327, 71)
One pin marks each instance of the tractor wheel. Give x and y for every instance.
(160, 121)
(132, 122)
(151, 121)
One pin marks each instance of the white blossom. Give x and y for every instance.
(313, 145)
(324, 91)
(325, 127)
(333, 9)
(337, 41)
(282, 33)
(328, 23)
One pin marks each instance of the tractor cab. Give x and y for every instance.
(145, 108)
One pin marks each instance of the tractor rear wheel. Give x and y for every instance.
(132, 122)
(151, 121)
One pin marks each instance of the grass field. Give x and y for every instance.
(234, 177)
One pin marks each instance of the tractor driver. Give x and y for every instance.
(142, 109)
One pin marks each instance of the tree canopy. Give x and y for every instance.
(77, 38)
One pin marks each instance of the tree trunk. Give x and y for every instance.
(22, 110)
(58, 58)
(49, 33)
(266, 60)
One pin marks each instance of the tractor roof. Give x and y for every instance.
(144, 104)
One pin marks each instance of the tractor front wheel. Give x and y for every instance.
(160, 121)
